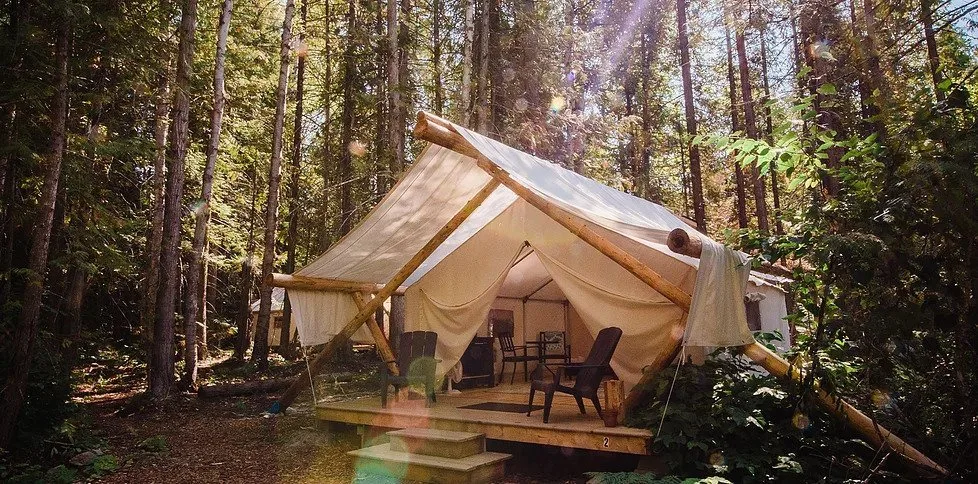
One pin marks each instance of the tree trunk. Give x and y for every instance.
(247, 280)
(740, 182)
(14, 391)
(769, 131)
(439, 101)
(75, 297)
(284, 348)
(346, 120)
(161, 364)
(818, 27)
(750, 123)
(259, 353)
(19, 20)
(467, 58)
(196, 267)
(154, 238)
(393, 88)
(396, 329)
(484, 104)
(696, 177)
(933, 58)
(206, 297)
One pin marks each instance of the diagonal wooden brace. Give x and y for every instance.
(316, 365)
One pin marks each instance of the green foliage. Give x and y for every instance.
(156, 443)
(727, 419)
(104, 464)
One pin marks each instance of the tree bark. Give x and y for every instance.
(818, 31)
(202, 216)
(739, 180)
(393, 87)
(467, 59)
(259, 352)
(161, 364)
(247, 279)
(285, 336)
(484, 106)
(439, 98)
(14, 392)
(154, 238)
(933, 58)
(769, 132)
(696, 176)
(346, 120)
(750, 123)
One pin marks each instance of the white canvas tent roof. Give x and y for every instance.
(452, 289)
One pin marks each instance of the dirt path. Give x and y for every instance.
(220, 441)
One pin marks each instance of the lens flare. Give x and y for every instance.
(357, 148)
(557, 104)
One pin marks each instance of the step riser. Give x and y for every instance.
(450, 450)
(422, 473)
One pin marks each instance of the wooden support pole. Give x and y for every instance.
(436, 130)
(306, 283)
(876, 434)
(383, 345)
(368, 310)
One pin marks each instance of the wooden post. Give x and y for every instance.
(367, 311)
(436, 130)
(383, 346)
(306, 283)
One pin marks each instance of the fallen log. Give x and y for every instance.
(244, 388)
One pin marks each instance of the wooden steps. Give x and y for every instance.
(431, 455)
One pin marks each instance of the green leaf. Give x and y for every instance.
(827, 89)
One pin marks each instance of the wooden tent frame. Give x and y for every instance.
(439, 131)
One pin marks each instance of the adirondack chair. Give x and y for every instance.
(588, 377)
(416, 363)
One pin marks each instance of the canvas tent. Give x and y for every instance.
(453, 290)
(449, 232)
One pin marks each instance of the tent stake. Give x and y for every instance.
(439, 131)
(316, 365)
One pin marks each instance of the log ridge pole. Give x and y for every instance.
(316, 365)
(383, 344)
(680, 242)
(439, 131)
(289, 281)
(436, 130)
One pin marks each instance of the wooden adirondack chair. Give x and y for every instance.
(416, 363)
(588, 377)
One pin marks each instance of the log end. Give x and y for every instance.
(680, 242)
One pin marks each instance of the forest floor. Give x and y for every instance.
(189, 439)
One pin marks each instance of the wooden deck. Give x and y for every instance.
(567, 427)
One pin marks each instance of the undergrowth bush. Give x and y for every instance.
(725, 418)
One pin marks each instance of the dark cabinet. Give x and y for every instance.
(477, 364)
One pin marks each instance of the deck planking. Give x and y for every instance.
(567, 427)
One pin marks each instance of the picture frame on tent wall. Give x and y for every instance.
(501, 321)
